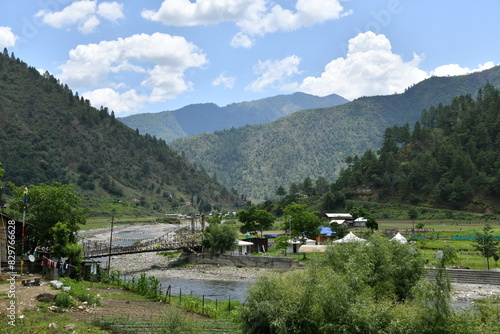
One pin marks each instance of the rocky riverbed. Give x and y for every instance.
(145, 262)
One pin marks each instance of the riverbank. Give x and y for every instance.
(132, 231)
(144, 262)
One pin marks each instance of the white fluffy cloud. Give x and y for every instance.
(222, 79)
(253, 17)
(202, 12)
(370, 68)
(7, 37)
(120, 103)
(455, 69)
(85, 14)
(275, 73)
(160, 60)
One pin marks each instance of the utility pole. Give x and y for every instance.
(25, 202)
(110, 243)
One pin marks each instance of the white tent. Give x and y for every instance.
(398, 237)
(350, 238)
(338, 222)
(312, 249)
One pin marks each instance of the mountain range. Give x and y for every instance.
(51, 134)
(257, 159)
(208, 117)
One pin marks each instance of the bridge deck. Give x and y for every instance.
(121, 250)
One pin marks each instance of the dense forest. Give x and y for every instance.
(257, 159)
(50, 133)
(451, 157)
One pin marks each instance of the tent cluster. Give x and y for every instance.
(350, 237)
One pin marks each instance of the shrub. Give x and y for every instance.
(64, 300)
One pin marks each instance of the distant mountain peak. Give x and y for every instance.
(209, 117)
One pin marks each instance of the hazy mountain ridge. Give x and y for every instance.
(256, 159)
(208, 117)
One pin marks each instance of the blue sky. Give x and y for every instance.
(150, 56)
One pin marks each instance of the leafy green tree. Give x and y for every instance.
(220, 238)
(255, 220)
(371, 223)
(282, 242)
(351, 289)
(340, 230)
(214, 220)
(433, 298)
(358, 212)
(48, 205)
(420, 225)
(304, 224)
(63, 247)
(486, 244)
(413, 214)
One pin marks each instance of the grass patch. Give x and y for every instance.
(170, 254)
(122, 296)
(37, 321)
(80, 292)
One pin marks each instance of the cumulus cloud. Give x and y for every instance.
(242, 40)
(85, 14)
(121, 103)
(159, 59)
(253, 17)
(111, 11)
(369, 68)
(455, 69)
(275, 73)
(222, 79)
(7, 37)
(203, 12)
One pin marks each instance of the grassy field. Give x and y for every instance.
(102, 222)
(431, 238)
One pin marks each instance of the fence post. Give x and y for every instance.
(203, 304)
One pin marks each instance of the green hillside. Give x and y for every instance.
(255, 160)
(51, 134)
(208, 117)
(450, 159)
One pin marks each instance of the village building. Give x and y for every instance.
(345, 219)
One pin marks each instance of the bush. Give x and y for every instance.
(64, 300)
(78, 291)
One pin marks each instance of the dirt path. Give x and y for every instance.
(119, 303)
(26, 295)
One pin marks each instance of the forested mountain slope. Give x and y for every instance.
(257, 159)
(51, 134)
(208, 117)
(451, 158)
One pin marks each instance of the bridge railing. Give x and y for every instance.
(138, 249)
(165, 242)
